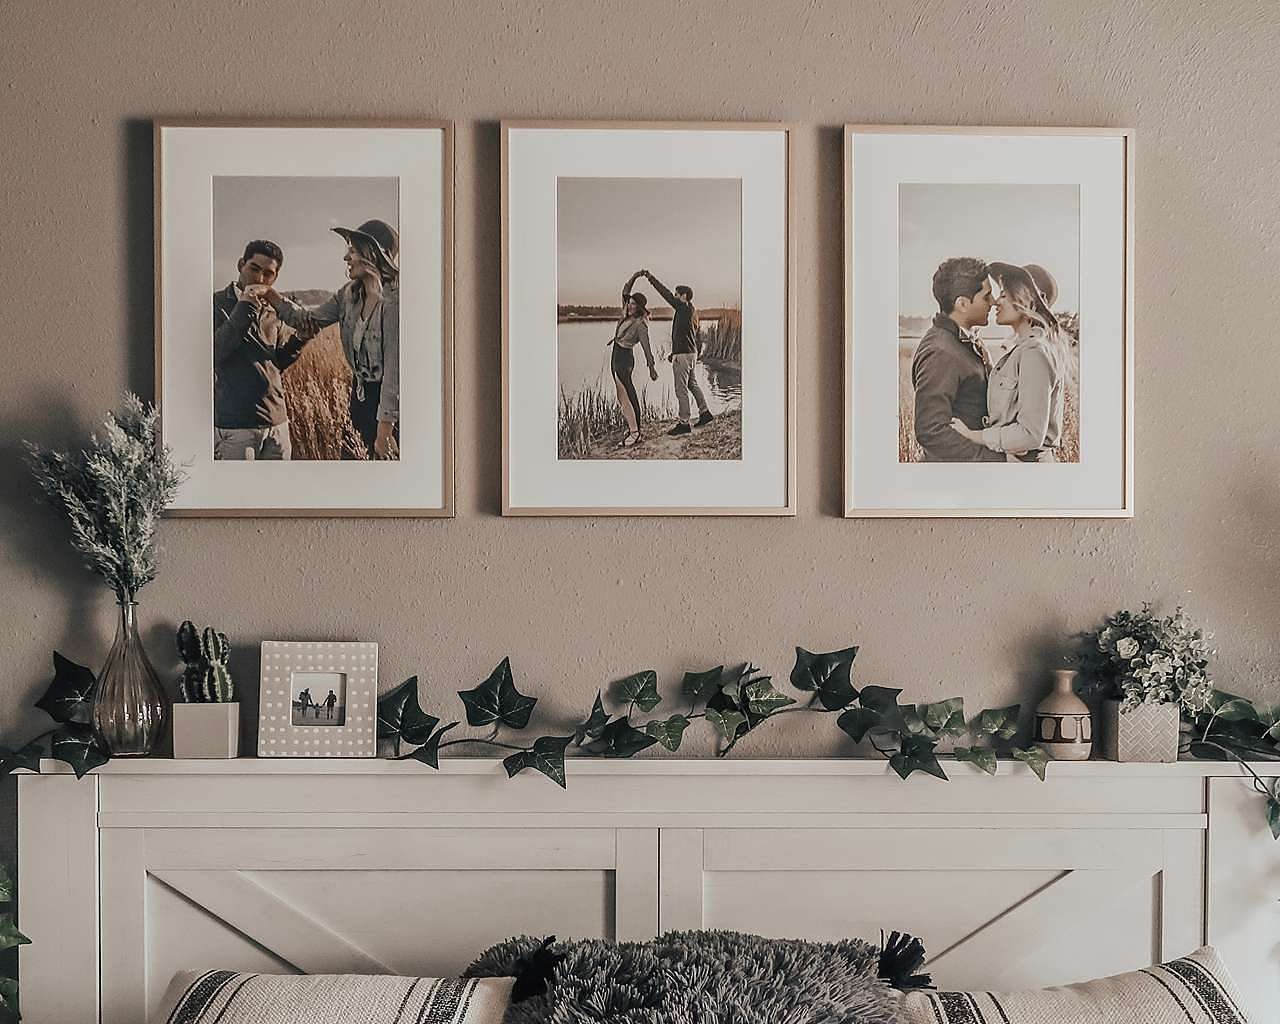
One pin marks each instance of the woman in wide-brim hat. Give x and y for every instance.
(1026, 391)
(367, 310)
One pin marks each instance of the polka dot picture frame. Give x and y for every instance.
(318, 698)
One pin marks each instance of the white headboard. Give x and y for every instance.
(148, 867)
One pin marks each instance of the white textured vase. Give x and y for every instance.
(1064, 727)
(1148, 733)
(206, 730)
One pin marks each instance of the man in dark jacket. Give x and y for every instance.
(251, 349)
(950, 367)
(685, 345)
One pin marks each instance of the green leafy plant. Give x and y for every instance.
(205, 678)
(68, 700)
(1144, 658)
(734, 702)
(112, 494)
(9, 937)
(1233, 728)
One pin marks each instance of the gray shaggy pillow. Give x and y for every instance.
(707, 977)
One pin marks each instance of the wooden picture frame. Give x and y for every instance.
(1105, 204)
(341, 721)
(422, 483)
(520, 435)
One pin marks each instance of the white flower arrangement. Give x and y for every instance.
(112, 494)
(1142, 658)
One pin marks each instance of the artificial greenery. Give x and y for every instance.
(1234, 728)
(68, 700)
(735, 702)
(1145, 658)
(112, 494)
(9, 937)
(205, 678)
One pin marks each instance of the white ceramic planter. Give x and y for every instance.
(206, 730)
(1147, 733)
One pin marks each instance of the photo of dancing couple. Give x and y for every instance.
(990, 373)
(649, 322)
(306, 319)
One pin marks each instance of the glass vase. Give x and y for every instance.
(130, 707)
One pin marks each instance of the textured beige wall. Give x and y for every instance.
(947, 607)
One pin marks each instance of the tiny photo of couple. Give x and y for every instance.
(319, 698)
(989, 323)
(306, 319)
(649, 318)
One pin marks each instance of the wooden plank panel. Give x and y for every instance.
(1181, 898)
(907, 849)
(58, 897)
(680, 898)
(123, 974)
(254, 910)
(636, 885)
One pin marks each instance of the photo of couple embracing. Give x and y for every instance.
(993, 375)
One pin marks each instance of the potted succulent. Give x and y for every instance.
(1148, 669)
(206, 718)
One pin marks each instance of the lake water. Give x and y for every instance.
(583, 363)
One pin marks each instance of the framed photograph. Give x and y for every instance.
(648, 319)
(318, 699)
(989, 322)
(323, 384)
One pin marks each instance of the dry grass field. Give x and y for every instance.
(317, 389)
(909, 448)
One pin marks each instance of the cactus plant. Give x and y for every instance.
(205, 678)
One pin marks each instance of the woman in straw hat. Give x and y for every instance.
(632, 329)
(367, 310)
(1027, 387)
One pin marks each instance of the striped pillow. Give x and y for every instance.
(202, 997)
(1193, 990)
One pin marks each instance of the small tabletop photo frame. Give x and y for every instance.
(318, 698)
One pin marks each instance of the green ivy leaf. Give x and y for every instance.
(857, 722)
(727, 723)
(401, 717)
(731, 689)
(828, 675)
(76, 745)
(6, 886)
(762, 699)
(1231, 708)
(9, 934)
(640, 689)
(913, 723)
(946, 717)
(1001, 723)
(884, 701)
(24, 757)
(429, 752)
(1034, 758)
(496, 701)
(983, 757)
(917, 754)
(546, 756)
(1273, 817)
(670, 732)
(594, 725)
(620, 739)
(696, 686)
(69, 697)
(9, 1001)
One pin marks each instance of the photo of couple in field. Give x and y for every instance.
(649, 321)
(989, 323)
(306, 319)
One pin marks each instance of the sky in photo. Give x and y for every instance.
(296, 214)
(685, 230)
(1011, 223)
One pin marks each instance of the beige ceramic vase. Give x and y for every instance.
(1064, 727)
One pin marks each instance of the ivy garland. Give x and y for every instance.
(734, 701)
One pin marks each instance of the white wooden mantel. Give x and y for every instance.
(323, 865)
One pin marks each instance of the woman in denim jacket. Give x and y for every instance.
(1027, 387)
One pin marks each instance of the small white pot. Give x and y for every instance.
(206, 730)
(1148, 733)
